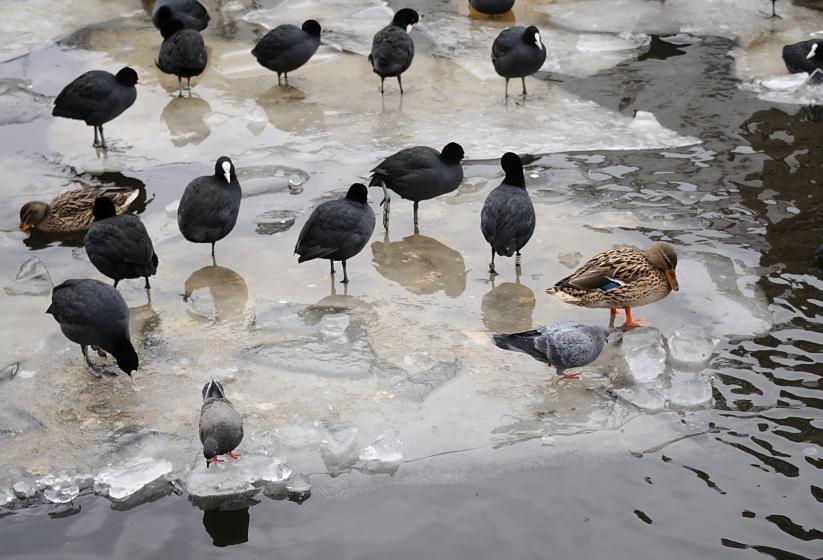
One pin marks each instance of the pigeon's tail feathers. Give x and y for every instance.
(518, 342)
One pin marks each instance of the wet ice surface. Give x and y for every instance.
(394, 379)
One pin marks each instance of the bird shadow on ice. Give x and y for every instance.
(508, 307)
(286, 109)
(185, 117)
(421, 264)
(216, 293)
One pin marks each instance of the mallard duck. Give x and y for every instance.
(71, 211)
(626, 277)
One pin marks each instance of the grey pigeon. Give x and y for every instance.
(518, 52)
(221, 428)
(492, 7)
(119, 246)
(418, 173)
(337, 229)
(183, 53)
(191, 12)
(97, 97)
(562, 345)
(805, 56)
(94, 314)
(287, 47)
(392, 49)
(210, 204)
(507, 219)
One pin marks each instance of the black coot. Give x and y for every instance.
(97, 97)
(518, 52)
(210, 204)
(507, 220)
(418, 173)
(119, 246)
(337, 229)
(287, 47)
(191, 12)
(492, 7)
(183, 52)
(392, 49)
(806, 56)
(94, 314)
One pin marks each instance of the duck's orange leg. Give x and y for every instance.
(631, 323)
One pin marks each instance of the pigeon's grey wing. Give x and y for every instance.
(571, 348)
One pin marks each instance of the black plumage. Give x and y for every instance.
(418, 173)
(392, 49)
(287, 47)
(518, 52)
(337, 229)
(805, 56)
(183, 52)
(119, 246)
(210, 204)
(221, 427)
(94, 314)
(492, 7)
(191, 13)
(507, 219)
(97, 97)
(818, 256)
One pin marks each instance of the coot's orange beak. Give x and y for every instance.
(672, 279)
(24, 227)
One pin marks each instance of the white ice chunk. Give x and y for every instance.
(123, 481)
(298, 487)
(338, 448)
(298, 436)
(33, 279)
(24, 490)
(689, 390)
(385, 454)
(6, 496)
(788, 81)
(644, 352)
(59, 489)
(236, 477)
(690, 345)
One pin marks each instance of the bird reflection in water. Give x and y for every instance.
(227, 527)
(144, 322)
(185, 118)
(509, 307)
(287, 110)
(216, 293)
(421, 264)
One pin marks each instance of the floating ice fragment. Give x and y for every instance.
(23, 490)
(338, 448)
(644, 120)
(298, 436)
(9, 372)
(690, 345)
(785, 82)
(385, 454)
(274, 221)
(682, 39)
(548, 441)
(298, 488)
(121, 482)
(59, 490)
(644, 352)
(6, 496)
(689, 390)
(33, 279)
(276, 472)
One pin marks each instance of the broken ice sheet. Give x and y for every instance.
(645, 354)
(59, 489)
(19, 104)
(338, 448)
(385, 454)
(122, 481)
(241, 477)
(690, 345)
(33, 279)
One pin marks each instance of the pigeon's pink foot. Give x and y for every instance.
(233, 455)
(213, 460)
(570, 376)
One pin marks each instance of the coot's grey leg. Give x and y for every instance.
(286, 78)
(212, 250)
(491, 264)
(524, 86)
(415, 213)
(115, 283)
(774, 14)
(102, 138)
(85, 350)
(331, 262)
(381, 84)
(507, 87)
(517, 259)
(96, 140)
(188, 85)
(345, 276)
(278, 79)
(148, 286)
(400, 83)
(180, 85)
(385, 203)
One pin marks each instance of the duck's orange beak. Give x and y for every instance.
(672, 279)
(24, 227)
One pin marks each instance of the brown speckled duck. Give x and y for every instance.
(71, 211)
(626, 277)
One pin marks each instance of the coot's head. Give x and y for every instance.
(358, 193)
(816, 51)
(406, 18)
(103, 208)
(127, 76)
(452, 153)
(31, 214)
(224, 168)
(126, 357)
(664, 256)
(531, 36)
(311, 27)
(513, 166)
(170, 26)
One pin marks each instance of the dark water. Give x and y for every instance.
(748, 486)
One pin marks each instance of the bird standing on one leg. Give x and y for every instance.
(621, 278)
(392, 49)
(507, 219)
